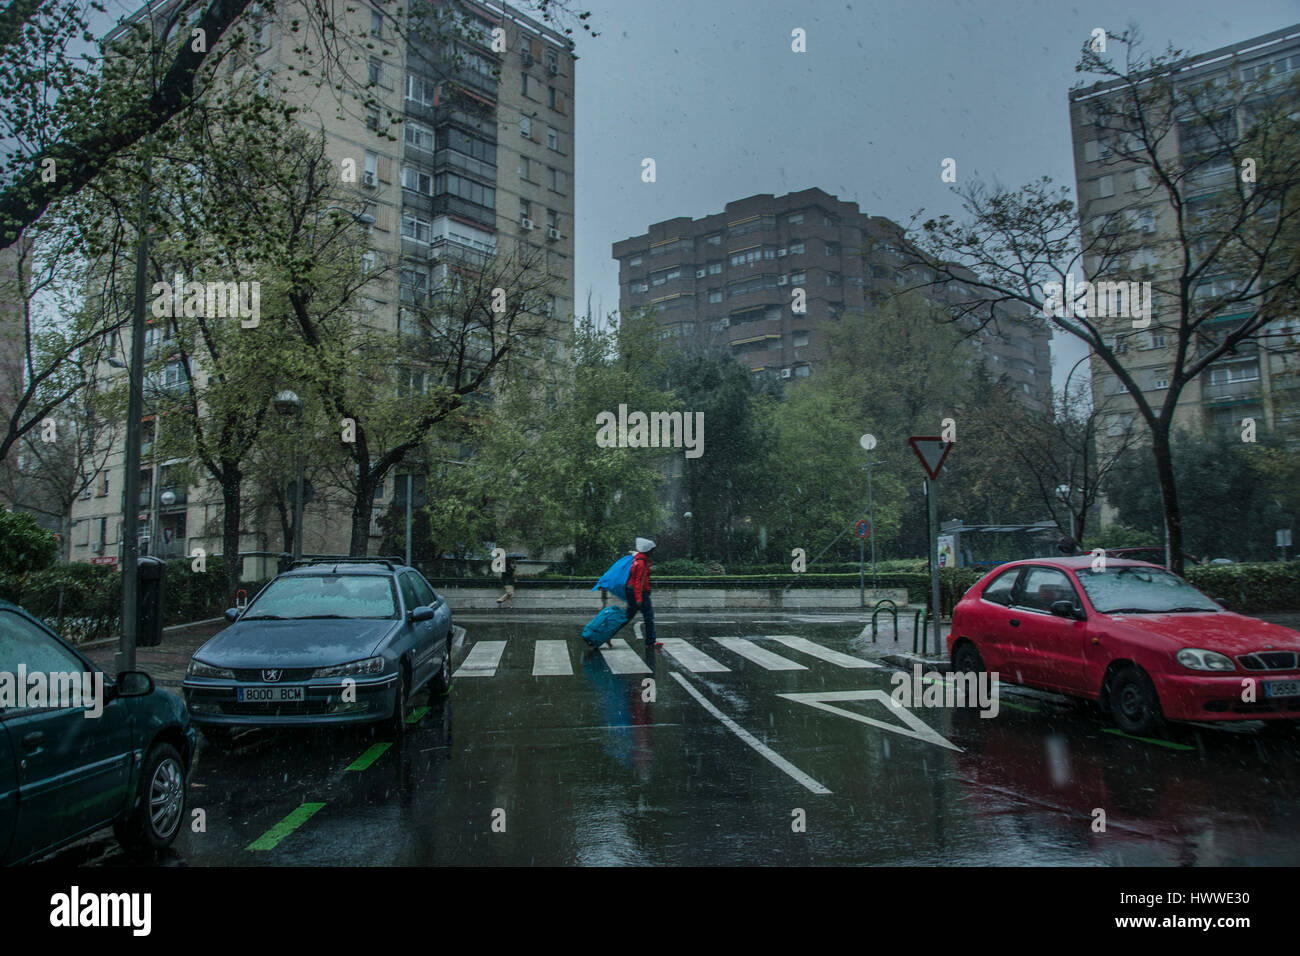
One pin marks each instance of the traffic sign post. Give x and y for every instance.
(933, 452)
(863, 530)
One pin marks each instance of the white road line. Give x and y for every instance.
(775, 758)
(751, 651)
(482, 660)
(623, 660)
(551, 659)
(819, 652)
(691, 657)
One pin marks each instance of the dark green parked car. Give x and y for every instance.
(85, 753)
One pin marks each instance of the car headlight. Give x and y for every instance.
(199, 669)
(371, 665)
(1199, 660)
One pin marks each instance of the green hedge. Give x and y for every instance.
(83, 602)
(1249, 588)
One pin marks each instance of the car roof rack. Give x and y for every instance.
(391, 563)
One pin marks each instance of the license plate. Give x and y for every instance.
(271, 695)
(1282, 688)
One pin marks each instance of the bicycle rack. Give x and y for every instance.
(880, 606)
(917, 634)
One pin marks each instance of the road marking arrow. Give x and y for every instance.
(919, 729)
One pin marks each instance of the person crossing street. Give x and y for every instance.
(638, 590)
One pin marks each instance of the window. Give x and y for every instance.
(1041, 588)
(556, 179)
(526, 126)
(715, 268)
(641, 286)
(794, 218)
(367, 264)
(376, 23)
(416, 180)
(25, 643)
(746, 256)
(665, 275)
(525, 168)
(525, 209)
(1142, 178)
(372, 117)
(714, 240)
(1106, 186)
(415, 228)
(555, 99)
(832, 278)
(553, 138)
(1157, 340)
(800, 339)
(372, 165)
(1121, 344)
(634, 261)
(715, 295)
(552, 219)
(1117, 425)
(798, 278)
(802, 371)
(523, 83)
(102, 490)
(796, 248)
(421, 90)
(1159, 380)
(376, 71)
(451, 184)
(832, 248)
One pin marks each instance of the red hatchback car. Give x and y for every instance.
(1134, 637)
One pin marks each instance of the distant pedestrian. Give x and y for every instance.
(638, 590)
(508, 583)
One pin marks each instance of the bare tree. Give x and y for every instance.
(1222, 171)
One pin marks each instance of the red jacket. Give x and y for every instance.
(638, 579)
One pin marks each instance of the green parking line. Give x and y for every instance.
(418, 712)
(1149, 740)
(1028, 710)
(269, 839)
(370, 756)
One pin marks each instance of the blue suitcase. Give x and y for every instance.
(604, 625)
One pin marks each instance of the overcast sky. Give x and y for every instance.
(887, 88)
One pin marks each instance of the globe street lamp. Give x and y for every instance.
(288, 404)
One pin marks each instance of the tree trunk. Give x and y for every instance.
(362, 509)
(1168, 498)
(230, 487)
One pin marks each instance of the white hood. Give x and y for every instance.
(644, 544)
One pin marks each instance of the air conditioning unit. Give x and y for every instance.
(780, 253)
(552, 69)
(528, 59)
(699, 273)
(782, 280)
(97, 547)
(552, 233)
(527, 224)
(786, 373)
(368, 179)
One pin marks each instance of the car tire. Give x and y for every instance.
(156, 818)
(440, 686)
(1134, 704)
(966, 658)
(397, 723)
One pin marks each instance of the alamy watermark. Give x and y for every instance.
(52, 689)
(656, 430)
(956, 689)
(216, 300)
(1130, 300)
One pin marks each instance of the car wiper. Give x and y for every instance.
(1206, 610)
(1130, 610)
(325, 617)
(263, 617)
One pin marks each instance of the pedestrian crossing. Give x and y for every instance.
(554, 658)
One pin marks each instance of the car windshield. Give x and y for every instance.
(1139, 590)
(325, 596)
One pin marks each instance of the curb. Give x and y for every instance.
(108, 641)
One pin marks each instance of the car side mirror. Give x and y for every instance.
(134, 684)
(1065, 609)
(422, 614)
(232, 614)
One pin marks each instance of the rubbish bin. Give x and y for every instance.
(152, 588)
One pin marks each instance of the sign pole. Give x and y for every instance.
(410, 479)
(934, 560)
(862, 572)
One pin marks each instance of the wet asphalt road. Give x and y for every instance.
(580, 768)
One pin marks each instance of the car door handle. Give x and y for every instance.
(1014, 622)
(33, 740)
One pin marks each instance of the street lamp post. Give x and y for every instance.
(288, 403)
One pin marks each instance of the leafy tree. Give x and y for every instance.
(24, 545)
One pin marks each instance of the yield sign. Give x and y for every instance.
(932, 450)
(915, 726)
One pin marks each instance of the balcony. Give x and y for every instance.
(445, 203)
(445, 159)
(1221, 392)
(443, 249)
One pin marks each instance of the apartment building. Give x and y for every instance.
(727, 279)
(1261, 379)
(462, 147)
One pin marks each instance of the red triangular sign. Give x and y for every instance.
(932, 450)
